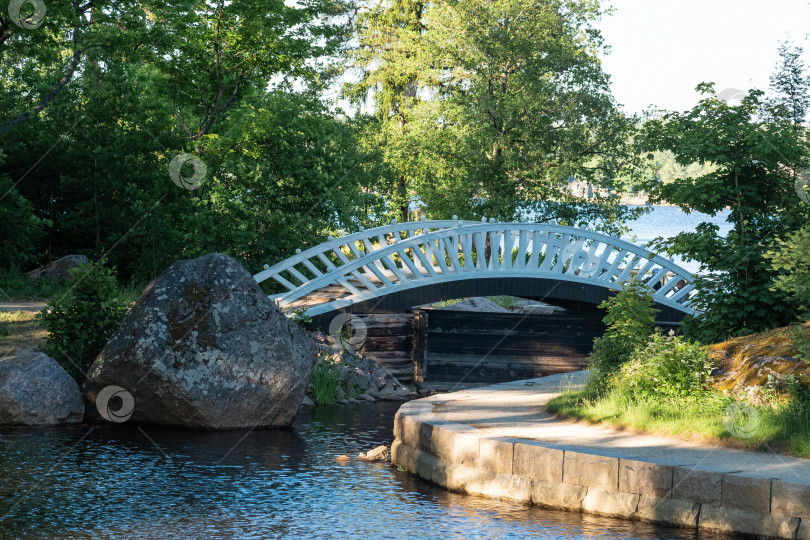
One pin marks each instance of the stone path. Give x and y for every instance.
(21, 306)
(516, 409)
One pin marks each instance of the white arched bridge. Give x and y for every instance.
(392, 268)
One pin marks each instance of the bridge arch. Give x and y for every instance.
(394, 267)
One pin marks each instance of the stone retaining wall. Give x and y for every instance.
(462, 458)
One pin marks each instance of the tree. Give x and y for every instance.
(790, 85)
(791, 257)
(753, 178)
(43, 50)
(283, 171)
(488, 107)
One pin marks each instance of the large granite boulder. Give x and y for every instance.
(35, 390)
(204, 347)
(59, 269)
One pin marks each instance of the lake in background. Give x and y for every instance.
(668, 221)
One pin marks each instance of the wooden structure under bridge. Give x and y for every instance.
(380, 275)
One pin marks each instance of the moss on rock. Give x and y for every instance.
(747, 361)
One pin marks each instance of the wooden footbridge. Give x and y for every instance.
(389, 270)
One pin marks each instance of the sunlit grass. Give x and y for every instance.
(784, 425)
(20, 330)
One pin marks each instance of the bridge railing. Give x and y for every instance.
(353, 268)
(328, 257)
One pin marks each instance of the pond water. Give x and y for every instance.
(127, 481)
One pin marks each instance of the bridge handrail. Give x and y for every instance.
(343, 271)
(335, 243)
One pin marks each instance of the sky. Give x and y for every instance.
(661, 50)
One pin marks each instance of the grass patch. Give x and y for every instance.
(20, 331)
(325, 381)
(781, 426)
(15, 286)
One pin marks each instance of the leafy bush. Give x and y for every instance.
(80, 322)
(668, 367)
(630, 320)
(325, 380)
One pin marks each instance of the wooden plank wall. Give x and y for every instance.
(494, 347)
(390, 342)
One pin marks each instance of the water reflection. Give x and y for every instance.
(113, 481)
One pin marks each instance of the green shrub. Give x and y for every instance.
(80, 322)
(667, 368)
(325, 380)
(630, 320)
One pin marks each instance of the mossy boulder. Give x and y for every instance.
(746, 362)
(204, 347)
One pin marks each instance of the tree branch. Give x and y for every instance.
(77, 57)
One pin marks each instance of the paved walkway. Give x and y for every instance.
(516, 410)
(21, 306)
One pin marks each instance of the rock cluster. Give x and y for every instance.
(362, 379)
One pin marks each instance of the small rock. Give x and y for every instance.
(352, 400)
(389, 393)
(366, 397)
(343, 458)
(378, 454)
(307, 402)
(379, 377)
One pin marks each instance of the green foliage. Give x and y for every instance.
(22, 229)
(284, 171)
(790, 84)
(800, 336)
(482, 108)
(669, 367)
(755, 162)
(666, 387)
(791, 258)
(80, 322)
(630, 319)
(325, 380)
